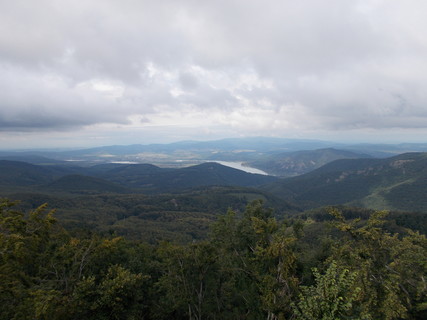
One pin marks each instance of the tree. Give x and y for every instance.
(258, 261)
(189, 283)
(47, 274)
(391, 269)
(331, 297)
(24, 245)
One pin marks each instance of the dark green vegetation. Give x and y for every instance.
(149, 178)
(396, 183)
(179, 217)
(139, 201)
(117, 178)
(251, 266)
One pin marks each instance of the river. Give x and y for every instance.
(240, 166)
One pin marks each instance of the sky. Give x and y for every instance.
(99, 72)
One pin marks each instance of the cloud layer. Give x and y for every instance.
(235, 67)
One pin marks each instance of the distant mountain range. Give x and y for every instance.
(261, 151)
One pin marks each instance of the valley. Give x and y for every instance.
(154, 201)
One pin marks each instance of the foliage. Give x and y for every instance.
(391, 270)
(172, 217)
(47, 274)
(332, 297)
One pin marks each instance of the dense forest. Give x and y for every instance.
(343, 264)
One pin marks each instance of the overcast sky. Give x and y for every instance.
(98, 72)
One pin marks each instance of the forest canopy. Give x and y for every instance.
(251, 266)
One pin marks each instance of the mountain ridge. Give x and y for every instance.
(139, 177)
(360, 182)
(290, 164)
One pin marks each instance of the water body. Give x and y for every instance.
(240, 166)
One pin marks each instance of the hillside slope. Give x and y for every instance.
(289, 164)
(153, 179)
(398, 182)
(122, 178)
(17, 173)
(75, 183)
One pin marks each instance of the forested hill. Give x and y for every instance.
(18, 173)
(288, 164)
(141, 201)
(398, 182)
(138, 177)
(153, 179)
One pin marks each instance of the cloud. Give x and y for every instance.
(248, 65)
